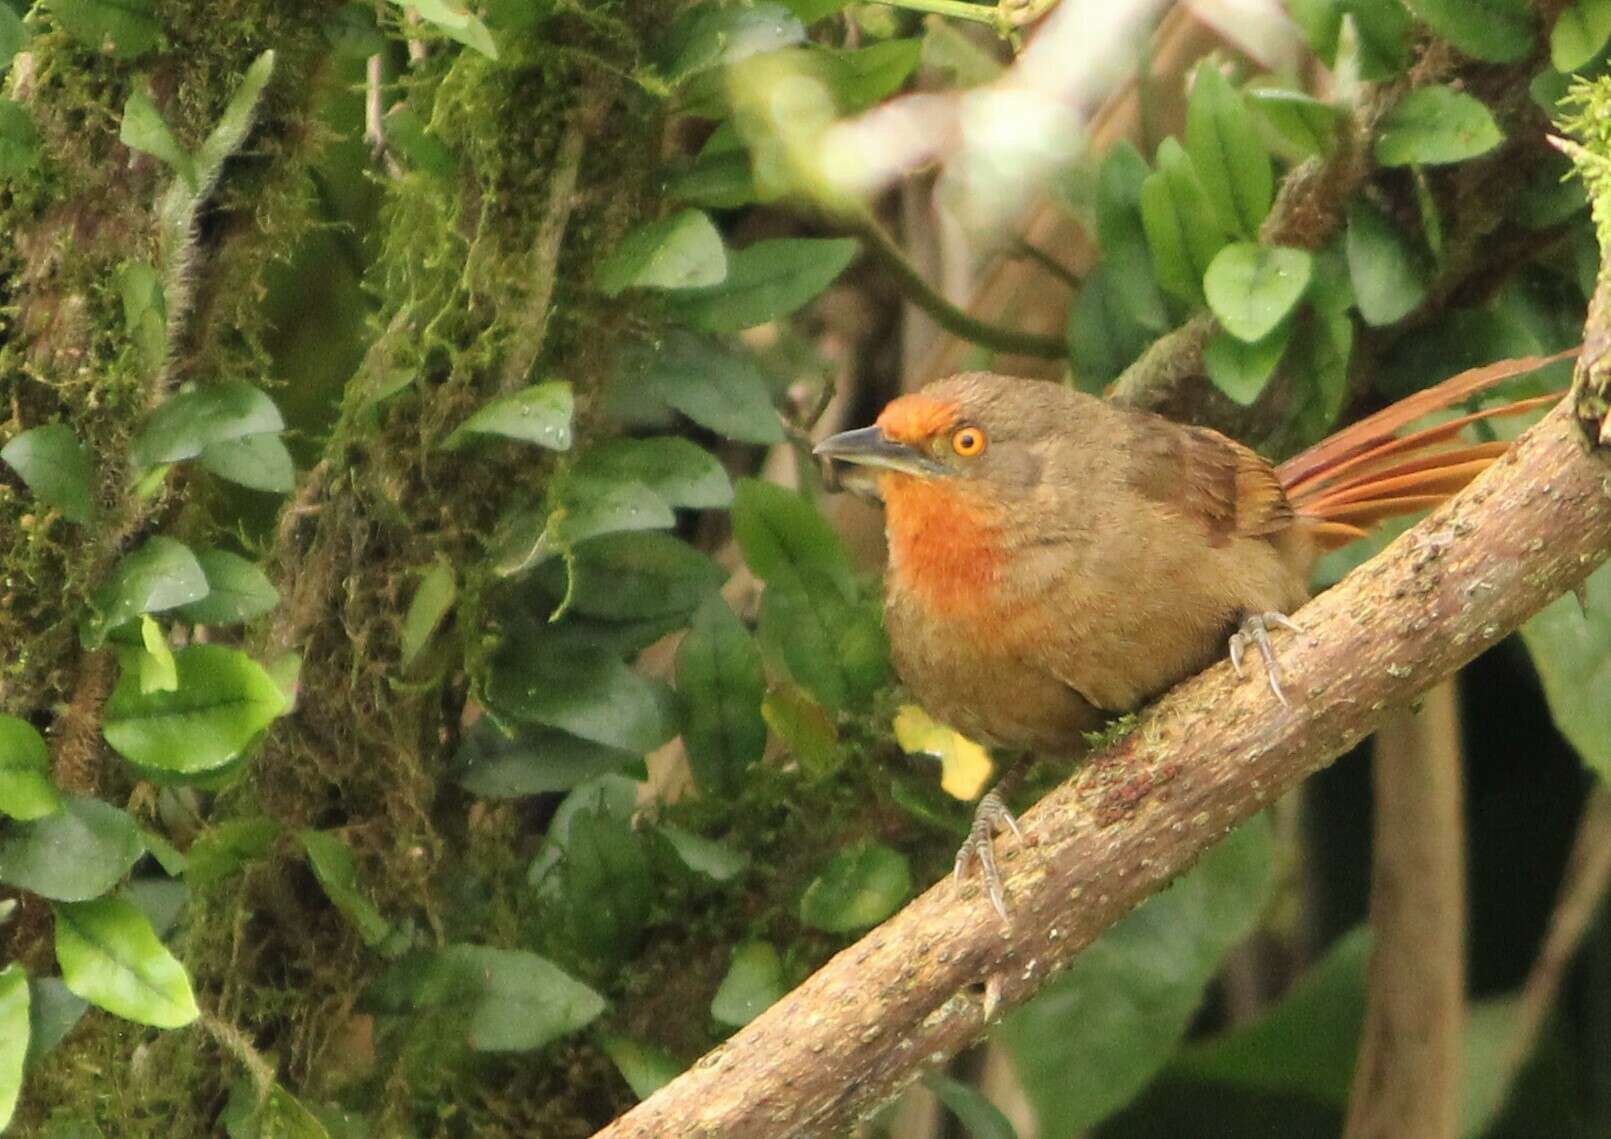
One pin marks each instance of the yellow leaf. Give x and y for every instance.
(964, 766)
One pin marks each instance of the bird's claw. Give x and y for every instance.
(1255, 631)
(980, 844)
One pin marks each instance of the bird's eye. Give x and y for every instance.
(968, 441)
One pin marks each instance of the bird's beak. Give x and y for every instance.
(870, 447)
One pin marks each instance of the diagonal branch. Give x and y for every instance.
(1205, 758)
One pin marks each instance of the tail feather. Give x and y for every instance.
(1367, 473)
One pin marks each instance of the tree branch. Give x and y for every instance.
(1139, 813)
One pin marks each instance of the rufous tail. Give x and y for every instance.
(1367, 472)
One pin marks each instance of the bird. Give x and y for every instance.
(1057, 560)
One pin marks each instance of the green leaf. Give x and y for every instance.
(860, 887)
(614, 796)
(1579, 34)
(80, 852)
(1232, 164)
(834, 648)
(14, 37)
(715, 385)
(679, 472)
(633, 575)
(509, 1000)
(1320, 22)
(722, 684)
(1104, 335)
(1383, 37)
(719, 181)
(1252, 288)
(754, 982)
(785, 538)
(144, 129)
(26, 791)
(1182, 234)
(232, 127)
(19, 140)
(1319, 357)
(600, 890)
(1434, 126)
(1298, 126)
(186, 423)
(538, 414)
(860, 77)
(237, 590)
(1571, 649)
(588, 694)
(1388, 275)
(704, 856)
(162, 574)
(1499, 31)
(1241, 370)
(279, 1115)
(806, 727)
(455, 21)
(409, 135)
(258, 462)
(588, 507)
(682, 251)
(981, 1118)
(333, 866)
(1126, 264)
(1098, 1032)
(223, 701)
(122, 29)
(765, 281)
(711, 34)
(145, 310)
(645, 1068)
(433, 599)
(14, 1035)
(111, 958)
(225, 848)
(56, 467)
(531, 761)
(157, 669)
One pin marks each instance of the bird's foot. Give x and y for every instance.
(1255, 631)
(992, 812)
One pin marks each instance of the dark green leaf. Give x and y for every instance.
(1571, 649)
(53, 1012)
(1232, 164)
(702, 855)
(614, 796)
(160, 900)
(433, 599)
(193, 419)
(1104, 336)
(981, 1118)
(336, 871)
(859, 888)
(633, 575)
(710, 33)
(835, 649)
(679, 472)
(14, 1034)
(600, 888)
(1436, 125)
(223, 701)
(225, 848)
(721, 681)
(1499, 31)
(455, 21)
(1252, 288)
(56, 467)
(720, 181)
(1299, 126)
(717, 386)
(682, 251)
(26, 791)
(1096, 1034)
(1388, 275)
(765, 281)
(645, 1068)
(538, 414)
(237, 590)
(353, 31)
(144, 129)
(110, 957)
(422, 148)
(77, 853)
(1383, 28)
(1240, 369)
(588, 694)
(122, 29)
(785, 538)
(162, 574)
(1579, 34)
(754, 982)
(19, 140)
(588, 507)
(531, 762)
(259, 462)
(1552, 195)
(1126, 264)
(1318, 356)
(1182, 235)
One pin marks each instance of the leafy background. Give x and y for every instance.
(437, 700)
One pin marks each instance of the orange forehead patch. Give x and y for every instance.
(914, 418)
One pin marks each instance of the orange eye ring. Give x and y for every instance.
(968, 441)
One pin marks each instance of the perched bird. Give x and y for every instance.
(1056, 560)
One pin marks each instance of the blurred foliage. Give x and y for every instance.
(425, 704)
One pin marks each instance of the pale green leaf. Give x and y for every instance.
(1579, 34)
(1298, 125)
(682, 251)
(1436, 125)
(1571, 649)
(80, 852)
(1241, 370)
(1252, 288)
(455, 21)
(765, 281)
(1499, 31)
(14, 37)
(337, 873)
(754, 982)
(237, 590)
(122, 29)
(191, 420)
(645, 1068)
(14, 1035)
(679, 472)
(144, 129)
(1232, 165)
(26, 791)
(111, 958)
(704, 856)
(1182, 233)
(539, 414)
(259, 462)
(710, 34)
(1388, 274)
(157, 669)
(56, 467)
(860, 887)
(160, 575)
(433, 599)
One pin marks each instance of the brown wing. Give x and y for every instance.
(1208, 478)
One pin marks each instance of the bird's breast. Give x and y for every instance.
(945, 547)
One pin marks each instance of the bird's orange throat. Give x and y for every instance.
(944, 544)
